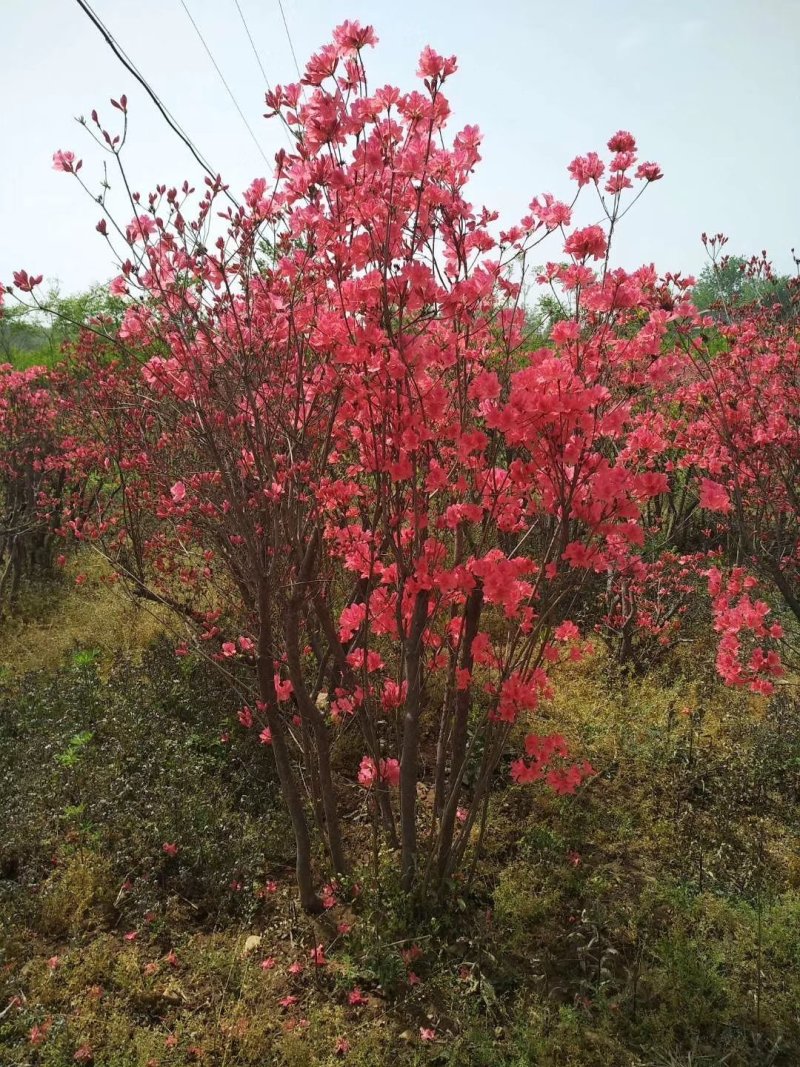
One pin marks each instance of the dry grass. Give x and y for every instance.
(55, 622)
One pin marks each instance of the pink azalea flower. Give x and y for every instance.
(65, 161)
(622, 141)
(432, 65)
(283, 690)
(119, 287)
(714, 496)
(38, 1033)
(650, 172)
(588, 242)
(567, 631)
(26, 282)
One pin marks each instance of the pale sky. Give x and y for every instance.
(710, 89)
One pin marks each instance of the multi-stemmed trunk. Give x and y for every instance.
(410, 750)
(460, 729)
(289, 786)
(319, 732)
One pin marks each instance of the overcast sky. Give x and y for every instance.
(710, 89)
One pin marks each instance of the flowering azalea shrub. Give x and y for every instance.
(323, 438)
(645, 605)
(741, 434)
(744, 626)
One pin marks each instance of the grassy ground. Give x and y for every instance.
(653, 919)
(83, 612)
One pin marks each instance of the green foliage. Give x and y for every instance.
(119, 780)
(76, 743)
(652, 919)
(20, 338)
(726, 285)
(31, 338)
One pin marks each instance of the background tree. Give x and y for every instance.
(728, 283)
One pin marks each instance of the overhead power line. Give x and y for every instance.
(131, 67)
(253, 46)
(289, 39)
(286, 132)
(225, 83)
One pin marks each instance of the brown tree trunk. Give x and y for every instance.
(410, 749)
(291, 793)
(472, 617)
(312, 716)
(367, 727)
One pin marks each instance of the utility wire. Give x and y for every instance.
(224, 82)
(289, 39)
(253, 46)
(130, 66)
(286, 131)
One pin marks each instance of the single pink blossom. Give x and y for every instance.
(432, 65)
(622, 141)
(714, 496)
(119, 287)
(26, 282)
(588, 242)
(649, 172)
(318, 956)
(65, 161)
